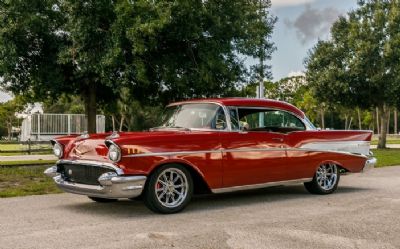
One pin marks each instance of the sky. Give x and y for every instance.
(4, 97)
(300, 24)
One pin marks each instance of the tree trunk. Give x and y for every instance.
(351, 120)
(9, 130)
(359, 119)
(388, 123)
(395, 120)
(345, 122)
(383, 131)
(113, 122)
(91, 107)
(377, 121)
(322, 118)
(121, 125)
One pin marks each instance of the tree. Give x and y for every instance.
(66, 104)
(359, 66)
(160, 50)
(50, 47)
(7, 114)
(190, 49)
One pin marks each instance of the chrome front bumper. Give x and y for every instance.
(111, 186)
(369, 164)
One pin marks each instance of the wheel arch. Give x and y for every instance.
(337, 163)
(200, 185)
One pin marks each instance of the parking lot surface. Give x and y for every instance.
(363, 213)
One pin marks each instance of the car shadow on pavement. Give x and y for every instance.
(121, 209)
(266, 195)
(136, 209)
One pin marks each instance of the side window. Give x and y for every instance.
(283, 119)
(269, 120)
(233, 114)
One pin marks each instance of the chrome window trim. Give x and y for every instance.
(173, 153)
(118, 170)
(228, 118)
(259, 185)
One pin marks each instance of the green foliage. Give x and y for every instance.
(159, 50)
(7, 115)
(64, 104)
(189, 49)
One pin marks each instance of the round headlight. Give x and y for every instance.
(114, 153)
(58, 150)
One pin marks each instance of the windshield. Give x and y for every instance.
(194, 116)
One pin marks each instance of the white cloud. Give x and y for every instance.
(313, 23)
(296, 73)
(287, 3)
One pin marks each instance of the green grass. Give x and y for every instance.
(389, 141)
(26, 162)
(22, 181)
(22, 148)
(387, 157)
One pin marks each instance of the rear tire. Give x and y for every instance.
(102, 200)
(325, 180)
(169, 189)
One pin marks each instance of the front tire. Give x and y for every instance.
(325, 181)
(169, 189)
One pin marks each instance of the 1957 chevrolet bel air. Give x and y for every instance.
(209, 146)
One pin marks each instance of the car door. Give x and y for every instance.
(252, 154)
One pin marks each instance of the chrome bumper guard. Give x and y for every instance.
(112, 186)
(369, 164)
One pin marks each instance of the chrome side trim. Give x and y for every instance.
(93, 163)
(357, 147)
(260, 185)
(328, 151)
(173, 153)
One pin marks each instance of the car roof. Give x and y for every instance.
(248, 102)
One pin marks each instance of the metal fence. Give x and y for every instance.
(39, 127)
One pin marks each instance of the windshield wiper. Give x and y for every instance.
(169, 127)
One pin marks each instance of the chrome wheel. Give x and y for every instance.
(171, 187)
(327, 176)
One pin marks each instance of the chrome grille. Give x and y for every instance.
(84, 174)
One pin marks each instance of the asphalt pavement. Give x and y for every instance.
(363, 213)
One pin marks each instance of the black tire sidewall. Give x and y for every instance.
(323, 191)
(150, 197)
(314, 188)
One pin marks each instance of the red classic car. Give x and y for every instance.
(209, 146)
